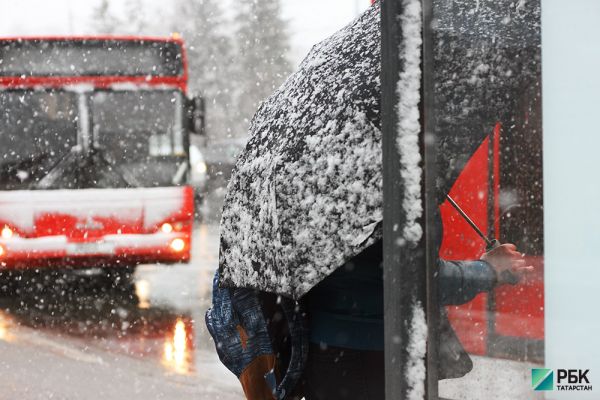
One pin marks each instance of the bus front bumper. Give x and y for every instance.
(125, 249)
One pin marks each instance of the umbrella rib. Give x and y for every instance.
(469, 221)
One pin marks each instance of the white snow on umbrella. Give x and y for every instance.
(306, 194)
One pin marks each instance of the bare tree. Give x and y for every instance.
(210, 56)
(234, 70)
(132, 18)
(103, 20)
(135, 17)
(263, 48)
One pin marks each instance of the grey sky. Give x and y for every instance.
(310, 20)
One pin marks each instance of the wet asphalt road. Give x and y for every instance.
(146, 340)
(71, 341)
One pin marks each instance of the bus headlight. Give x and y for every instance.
(6, 233)
(177, 245)
(166, 228)
(201, 167)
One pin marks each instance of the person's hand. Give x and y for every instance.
(506, 260)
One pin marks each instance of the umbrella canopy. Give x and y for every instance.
(306, 194)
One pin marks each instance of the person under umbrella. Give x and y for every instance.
(302, 221)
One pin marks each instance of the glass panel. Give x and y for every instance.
(37, 128)
(89, 57)
(140, 132)
(486, 74)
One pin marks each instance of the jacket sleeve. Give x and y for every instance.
(460, 281)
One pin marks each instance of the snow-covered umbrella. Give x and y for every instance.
(306, 193)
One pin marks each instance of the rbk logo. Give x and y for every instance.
(542, 379)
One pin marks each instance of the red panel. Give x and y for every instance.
(97, 37)
(470, 191)
(520, 309)
(101, 82)
(460, 242)
(496, 160)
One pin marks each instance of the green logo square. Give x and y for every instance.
(542, 379)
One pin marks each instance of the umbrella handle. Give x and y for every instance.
(492, 244)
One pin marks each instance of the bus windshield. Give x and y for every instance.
(91, 57)
(37, 128)
(61, 139)
(141, 132)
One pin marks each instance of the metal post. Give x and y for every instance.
(405, 273)
(433, 231)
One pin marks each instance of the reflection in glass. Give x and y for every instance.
(486, 74)
(141, 133)
(5, 331)
(37, 129)
(176, 355)
(142, 291)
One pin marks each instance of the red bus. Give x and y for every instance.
(94, 134)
